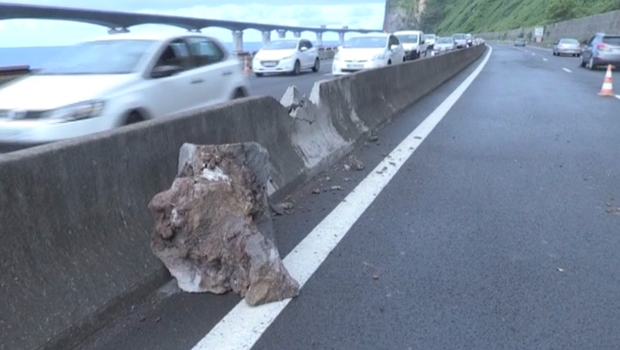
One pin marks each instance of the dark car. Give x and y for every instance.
(602, 49)
(520, 42)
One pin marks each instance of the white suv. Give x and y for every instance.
(117, 80)
(286, 56)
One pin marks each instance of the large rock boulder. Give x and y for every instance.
(213, 227)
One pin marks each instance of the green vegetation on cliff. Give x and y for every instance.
(449, 16)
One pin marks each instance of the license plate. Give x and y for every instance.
(355, 66)
(269, 64)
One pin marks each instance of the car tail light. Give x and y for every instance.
(603, 47)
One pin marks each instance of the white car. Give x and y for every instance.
(413, 43)
(286, 56)
(429, 40)
(444, 44)
(117, 80)
(366, 52)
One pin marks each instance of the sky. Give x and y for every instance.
(366, 14)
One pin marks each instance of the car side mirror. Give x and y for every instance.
(423, 41)
(394, 47)
(165, 71)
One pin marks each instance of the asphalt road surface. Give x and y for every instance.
(276, 84)
(498, 229)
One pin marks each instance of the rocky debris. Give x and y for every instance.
(316, 191)
(611, 208)
(213, 230)
(282, 208)
(336, 188)
(373, 138)
(355, 163)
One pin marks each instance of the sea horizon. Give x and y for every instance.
(37, 56)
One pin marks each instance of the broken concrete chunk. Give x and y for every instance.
(213, 230)
(356, 163)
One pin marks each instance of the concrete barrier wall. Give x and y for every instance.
(579, 28)
(74, 221)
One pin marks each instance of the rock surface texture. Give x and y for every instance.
(213, 228)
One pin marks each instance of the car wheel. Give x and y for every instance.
(258, 74)
(317, 65)
(582, 63)
(591, 64)
(133, 117)
(297, 69)
(389, 62)
(239, 93)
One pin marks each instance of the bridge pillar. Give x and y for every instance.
(117, 30)
(341, 37)
(297, 34)
(281, 33)
(319, 39)
(266, 37)
(237, 40)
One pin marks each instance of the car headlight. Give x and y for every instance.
(378, 56)
(78, 111)
(287, 57)
(337, 56)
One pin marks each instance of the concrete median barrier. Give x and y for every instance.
(74, 217)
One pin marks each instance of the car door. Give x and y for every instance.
(213, 71)
(587, 51)
(171, 94)
(304, 53)
(395, 54)
(311, 52)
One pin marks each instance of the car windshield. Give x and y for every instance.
(612, 40)
(569, 41)
(366, 42)
(520, 40)
(408, 38)
(281, 45)
(444, 40)
(459, 36)
(99, 57)
(429, 36)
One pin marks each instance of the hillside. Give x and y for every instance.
(449, 16)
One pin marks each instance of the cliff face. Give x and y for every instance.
(402, 14)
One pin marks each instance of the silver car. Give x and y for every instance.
(567, 46)
(602, 49)
(460, 40)
(444, 44)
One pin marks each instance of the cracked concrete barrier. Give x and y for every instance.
(74, 220)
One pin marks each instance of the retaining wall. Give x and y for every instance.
(74, 220)
(579, 28)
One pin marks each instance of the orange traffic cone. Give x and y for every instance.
(608, 87)
(247, 69)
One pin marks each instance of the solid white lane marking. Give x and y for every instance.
(244, 325)
(544, 59)
(618, 97)
(567, 70)
(533, 54)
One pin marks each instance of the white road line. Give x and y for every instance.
(544, 59)
(244, 325)
(533, 54)
(618, 97)
(567, 70)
